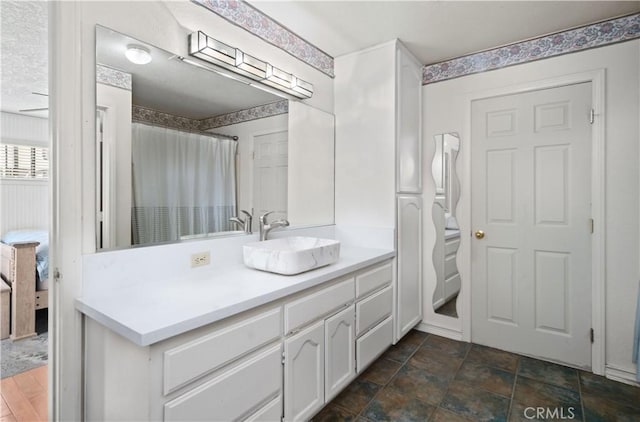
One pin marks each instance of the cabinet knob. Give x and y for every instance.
(479, 234)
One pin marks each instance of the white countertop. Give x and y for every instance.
(155, 310)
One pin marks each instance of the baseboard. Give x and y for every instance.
(621, 374)
(439, 331)
(438, 303)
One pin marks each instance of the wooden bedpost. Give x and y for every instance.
(21, 278)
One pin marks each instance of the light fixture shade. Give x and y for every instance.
(302, 87)
(203, 46)
(250, 66)
(278, 78)
(288, 83)
(138, 54)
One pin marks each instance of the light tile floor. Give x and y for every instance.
(431, 378)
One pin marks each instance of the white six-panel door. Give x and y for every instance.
(531, 198)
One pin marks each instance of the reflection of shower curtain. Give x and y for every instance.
(183, 184)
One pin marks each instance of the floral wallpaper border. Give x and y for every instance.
(155, 117)
(251, 19)
(114, 77)
(254, 113)
(590, 36)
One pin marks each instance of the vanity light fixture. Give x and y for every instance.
(278, 78)
(206, 48)
(250, 66)
(222, 55)
(302, 87)
(138, 54)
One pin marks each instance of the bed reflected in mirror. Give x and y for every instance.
(447, 147)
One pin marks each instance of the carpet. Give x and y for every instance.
(22, 355)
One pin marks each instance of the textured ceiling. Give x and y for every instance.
(23, 53)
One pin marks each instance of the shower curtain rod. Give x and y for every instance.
(199, 132)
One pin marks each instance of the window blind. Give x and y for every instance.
(24, 162)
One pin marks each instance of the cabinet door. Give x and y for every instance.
(340, 342)
(409, 305)
(304, 373)
(408, 126)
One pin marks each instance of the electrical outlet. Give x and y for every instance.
(200, 259)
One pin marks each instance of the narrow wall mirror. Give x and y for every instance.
(182, 150)
(447, 148)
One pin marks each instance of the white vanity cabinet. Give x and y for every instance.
(374, 313)
(409, 262)
(319, 360)
(324, 357)
(379, 159)
(304, 373)
(408, 122)
(283, 360)
(199, 375)
(340, 343)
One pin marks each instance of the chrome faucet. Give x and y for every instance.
(246, 224)
(266, 228)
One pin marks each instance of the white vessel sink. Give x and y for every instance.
(291, 255)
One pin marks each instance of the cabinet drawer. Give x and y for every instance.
(317, 305)
(205, 354)
(272, 411)
(372, 344)
(371, 280)
(42, 299)
(451, 246)
(228, 397)
(373, 309)
(450, 267)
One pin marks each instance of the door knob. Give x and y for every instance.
(479, 234)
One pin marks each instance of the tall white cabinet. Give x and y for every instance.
(379, 160)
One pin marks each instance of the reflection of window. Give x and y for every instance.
(24, 162)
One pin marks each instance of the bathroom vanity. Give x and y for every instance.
(237, 344)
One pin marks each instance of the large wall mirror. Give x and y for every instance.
(447, 147)
(186, 152)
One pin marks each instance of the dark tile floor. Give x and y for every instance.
(449, 308)
(430, 378)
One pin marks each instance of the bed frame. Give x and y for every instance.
(18, 270)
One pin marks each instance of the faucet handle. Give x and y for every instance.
(247, 213)
(263, 217)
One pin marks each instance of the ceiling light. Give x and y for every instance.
(138, 54)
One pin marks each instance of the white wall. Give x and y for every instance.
(24, 204)
(444, 111)
(20, 129)
(311, 187)
(118, 190)
(72, 89)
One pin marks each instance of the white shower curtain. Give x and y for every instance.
(183, 184)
